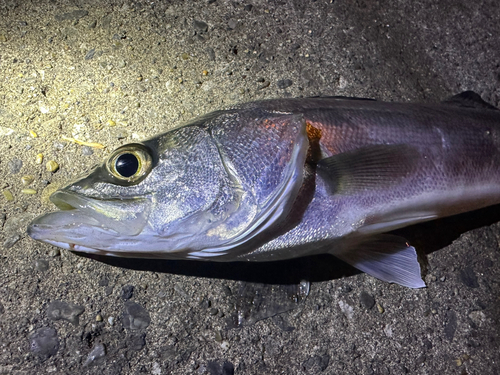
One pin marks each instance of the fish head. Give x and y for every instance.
(192, 192)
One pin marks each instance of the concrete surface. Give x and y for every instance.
(114, 72)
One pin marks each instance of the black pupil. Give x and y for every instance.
(127, 165)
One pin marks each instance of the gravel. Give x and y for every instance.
(57, 63)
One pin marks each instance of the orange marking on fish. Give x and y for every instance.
(314, 136)
(269, 124)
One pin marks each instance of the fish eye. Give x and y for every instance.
(130, 163)
(127, 165)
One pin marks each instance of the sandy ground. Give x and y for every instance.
(113, 73)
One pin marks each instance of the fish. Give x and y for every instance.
(284, 178)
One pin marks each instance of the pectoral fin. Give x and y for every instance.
(368, 168)
(387, 257)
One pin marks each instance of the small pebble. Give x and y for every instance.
(87, 151)
(111, 320)
(135, 316)
(98, 318)
(33, 134)
(15, 165)
(218, 336)
(54, 253)
(44, 342)
(226, 291)
(52, 166)
(205, 72)
(39, 159)
(60, 310)
(136, 342)
(231, 24)
(210, 53)
(162, 294)
(8, 195)
(200, 26)
(284, 83)
(11, 241)
(127, 292)
(28, 191)
(213, 311)
(367, 301)
(206, 303)
(58, 146)
(111, 123)
(178, 288)
(27, 180)
(429, 278)
(90, 54)
(380, 308)
(41, 265)
(264, 85)
(99, 351)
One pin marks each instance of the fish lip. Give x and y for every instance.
(48, 227)
(66, 200)
(117, 216)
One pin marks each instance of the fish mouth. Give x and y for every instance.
(80, 217)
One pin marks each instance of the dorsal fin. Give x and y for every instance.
(339, 97)
(469, 99)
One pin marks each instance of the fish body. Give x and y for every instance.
(285, 178)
